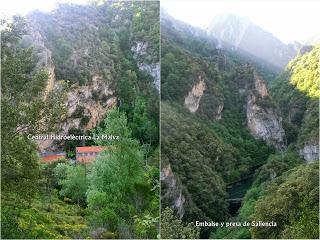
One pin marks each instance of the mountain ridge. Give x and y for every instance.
(240, 34)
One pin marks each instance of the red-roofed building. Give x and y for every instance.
(52, 157)
(88, 154)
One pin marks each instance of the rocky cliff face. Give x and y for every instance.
(263, 120)
(140, 54)
(43, 54)
(219, 111)
(310, 153)
(94, 100)
(172, 193)
(260, 86)
(85, 105)
(193, 99)
(265, 124)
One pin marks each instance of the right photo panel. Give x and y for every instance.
(240, 119)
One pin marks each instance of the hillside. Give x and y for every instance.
(102, 60)
(296, 92)
(88, 70)
(210, 92)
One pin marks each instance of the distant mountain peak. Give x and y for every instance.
(238, 33)
(228, 28)
(230, 17)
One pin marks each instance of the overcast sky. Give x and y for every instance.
(288, 20)
(12, 7)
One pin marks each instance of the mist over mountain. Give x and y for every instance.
(178, 30)
(313, 39)
(240, 34)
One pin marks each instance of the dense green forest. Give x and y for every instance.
(296, 92)
(212, 154)
(116, 196)
(285, 188)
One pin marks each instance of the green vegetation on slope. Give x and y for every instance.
(56, 220)
(93, 39)
(291, 201)
(275, 166)
(60, 200)
(305, 73)
(98, 40)
(283, 180)
(123, 189)
(196, 156)
(172, 227)
(296, 93)
(23, 111)
(218, 149)
(205, 153)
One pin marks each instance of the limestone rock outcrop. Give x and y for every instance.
(193, 99)
(140, 54)
(85, 105)
(310, 152)
(262, 119)
(172, 191)
(43, 54)
(265, 124)
(260, 86)
(219, 111)
(94, 99)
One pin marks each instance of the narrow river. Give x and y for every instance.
(236, 193)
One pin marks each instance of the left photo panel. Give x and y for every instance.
(80, 120)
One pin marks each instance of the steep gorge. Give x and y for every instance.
(226, 96)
